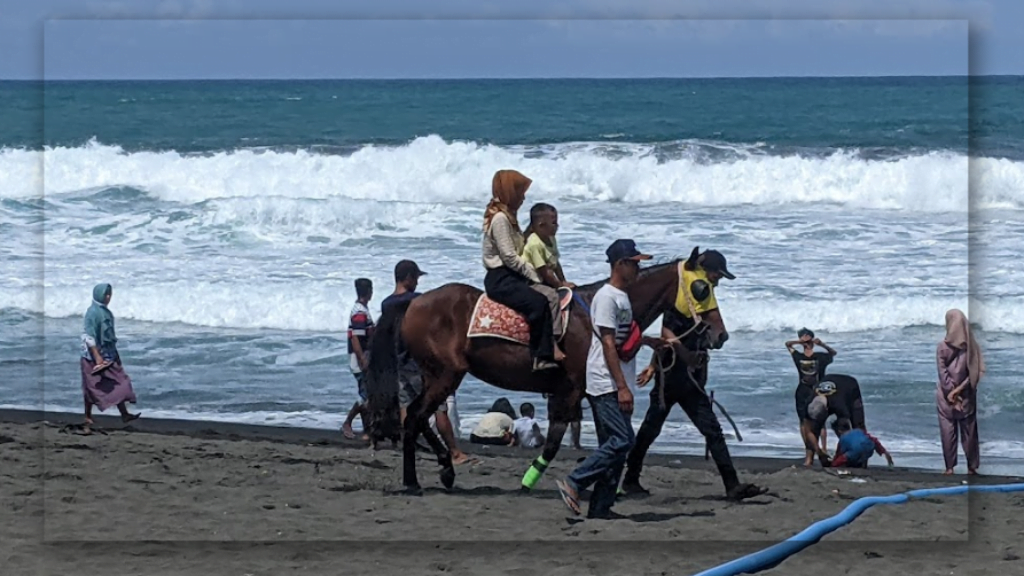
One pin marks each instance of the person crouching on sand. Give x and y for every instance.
(855, 446)
(104, 381)
(497, 425)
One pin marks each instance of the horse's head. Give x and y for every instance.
(710, 334)
(715, 269)
(714, 333)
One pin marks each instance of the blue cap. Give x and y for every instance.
(624, 250)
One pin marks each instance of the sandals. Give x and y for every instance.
(569, 496)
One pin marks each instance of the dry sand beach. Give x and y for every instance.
(201, 498)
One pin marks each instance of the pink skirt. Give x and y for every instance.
(108, 388)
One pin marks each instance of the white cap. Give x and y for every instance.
(818, 408)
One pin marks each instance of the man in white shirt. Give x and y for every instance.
(608, 386)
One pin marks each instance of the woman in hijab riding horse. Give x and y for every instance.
(511, 280)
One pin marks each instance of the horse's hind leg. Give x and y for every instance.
(444, 455)
(410, 431)
(436, 390)
(558, 416)
(442, 387)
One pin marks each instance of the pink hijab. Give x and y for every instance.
(959, 336)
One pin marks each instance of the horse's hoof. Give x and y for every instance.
(448, 477)
(414, 490)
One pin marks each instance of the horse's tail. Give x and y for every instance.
(381, 378)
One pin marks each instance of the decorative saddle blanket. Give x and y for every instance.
(493, 320)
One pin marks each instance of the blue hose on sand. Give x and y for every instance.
(772, 556)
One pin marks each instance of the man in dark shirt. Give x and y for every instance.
(410, 382)
(407, 279)
(836, 394)
(810, 367)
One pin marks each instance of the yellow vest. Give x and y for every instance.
(686, 279)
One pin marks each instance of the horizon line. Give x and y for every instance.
(451, 78)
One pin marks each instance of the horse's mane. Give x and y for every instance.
(589, 290)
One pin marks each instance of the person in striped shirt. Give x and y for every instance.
(360, 329)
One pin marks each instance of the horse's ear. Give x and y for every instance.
(693, 255)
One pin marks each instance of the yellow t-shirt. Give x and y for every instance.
(538, 254)
(687, 280)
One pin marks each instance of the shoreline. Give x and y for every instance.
(295, 435)
(193, 498)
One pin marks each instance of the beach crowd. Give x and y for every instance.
(523, 272)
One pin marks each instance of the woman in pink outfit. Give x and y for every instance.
(960, 367)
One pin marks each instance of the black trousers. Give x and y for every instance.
(680, 390)
(513, 290)
(492, 441)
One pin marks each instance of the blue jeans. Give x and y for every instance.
(604, 467)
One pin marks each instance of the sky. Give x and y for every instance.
(172, 39)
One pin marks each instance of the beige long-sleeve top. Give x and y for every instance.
(502, 246)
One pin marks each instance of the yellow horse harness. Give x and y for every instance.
(691, 306)
(693, 285)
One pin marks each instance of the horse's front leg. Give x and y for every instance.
(556, 431)
(559, 421)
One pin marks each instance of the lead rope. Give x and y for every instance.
(659, 363)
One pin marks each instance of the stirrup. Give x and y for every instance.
(539, 364)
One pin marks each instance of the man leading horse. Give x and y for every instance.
(685, 380)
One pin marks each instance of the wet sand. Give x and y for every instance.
(202, 498)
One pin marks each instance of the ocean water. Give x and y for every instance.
(232, 218)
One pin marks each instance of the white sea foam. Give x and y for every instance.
(429, 169)
(311, 304)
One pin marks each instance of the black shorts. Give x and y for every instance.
(491, 441)
(803, 396)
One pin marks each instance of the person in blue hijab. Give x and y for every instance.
(104, 381)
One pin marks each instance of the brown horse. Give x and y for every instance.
(434, 328)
